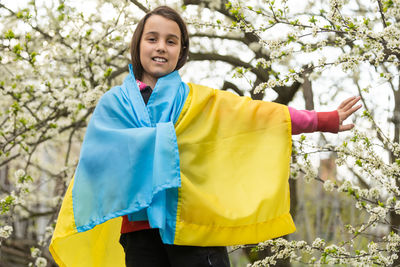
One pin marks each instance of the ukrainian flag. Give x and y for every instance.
(206, 167)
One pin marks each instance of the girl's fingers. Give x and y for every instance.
(345, 127)
(351, 111)
(355, 100)
(345, 109)
(344, 114)
(351, 102)
(347, 101)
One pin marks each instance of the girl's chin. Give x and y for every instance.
(161, 74)
(155, 75)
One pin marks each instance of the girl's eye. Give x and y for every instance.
(152, 39)
(171, 42)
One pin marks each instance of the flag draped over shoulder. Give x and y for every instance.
(235, 160)
(206, 167)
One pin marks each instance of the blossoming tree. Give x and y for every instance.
(358, 43)
(58, 58)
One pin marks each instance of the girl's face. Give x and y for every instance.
(160, 47)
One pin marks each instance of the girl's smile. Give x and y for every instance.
(160, 48)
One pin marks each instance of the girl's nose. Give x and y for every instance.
(160, 47)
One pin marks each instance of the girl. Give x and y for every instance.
(189, 168)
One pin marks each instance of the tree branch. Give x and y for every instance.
(224, 37)
(286, 93)
(141, 6)
(228, 85)
(262, 74)
(381, 12)
(117, 72)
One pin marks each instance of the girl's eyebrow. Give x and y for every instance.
(171, 35)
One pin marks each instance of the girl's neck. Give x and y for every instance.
(149, 80)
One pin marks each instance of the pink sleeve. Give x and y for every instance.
(308, 121)
(303, 121)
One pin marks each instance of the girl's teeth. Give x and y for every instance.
(159, 59)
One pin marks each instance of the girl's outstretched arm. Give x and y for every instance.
(345, 109)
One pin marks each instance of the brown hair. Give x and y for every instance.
(167, 13)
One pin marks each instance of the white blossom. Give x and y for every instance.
(41, 262)
(6, 231)
(19, 173)
(318, 243)
(374, 193)
(310, 174)
(329, 185)
(35, 252)
(345, 186)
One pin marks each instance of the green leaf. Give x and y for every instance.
(350, 191)
(17, 49)
(352, 26)
(312, 20)
(6, 204)
(23, 121)
(387, 4)
(291, 38)
(9, 35)
(108, 72)
(61, 7)
(366, 114)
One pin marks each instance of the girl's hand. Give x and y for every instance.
(345, 109)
